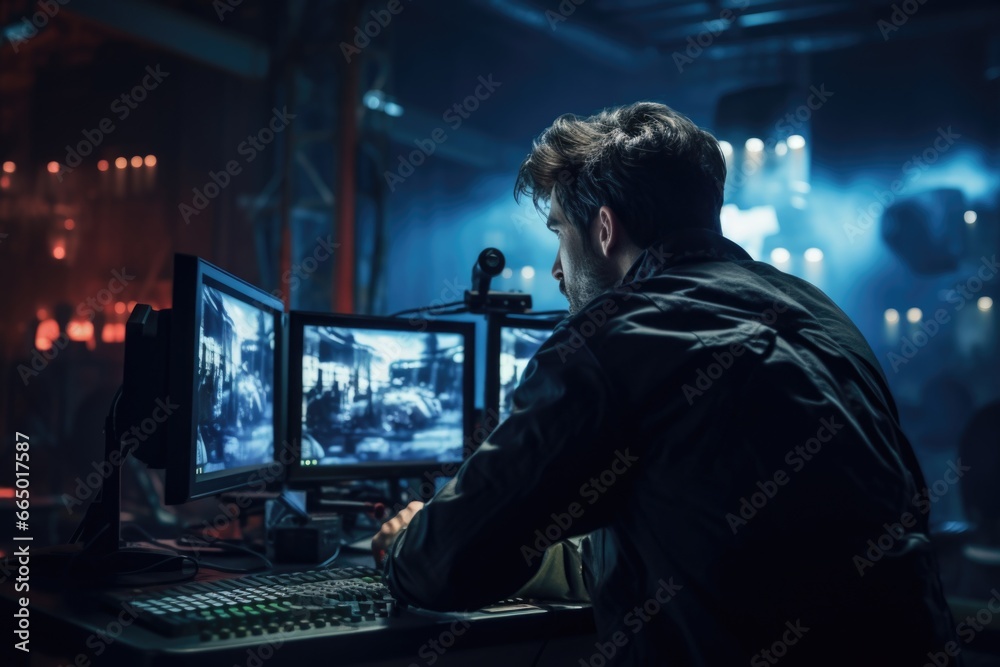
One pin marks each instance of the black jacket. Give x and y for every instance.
(725, 435)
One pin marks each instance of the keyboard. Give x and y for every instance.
(261, 604)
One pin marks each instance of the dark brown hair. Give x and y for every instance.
(656, 169)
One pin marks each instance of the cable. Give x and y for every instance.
(234, 570)
(104, 565)
(329, 561)
(545, 313)
(538, 656)
(454, 311)
(114, 411)
(92, 540)
(146, 534)
(266, 563)
(422, 309)
(155, 566)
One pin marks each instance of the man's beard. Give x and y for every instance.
(591, 278)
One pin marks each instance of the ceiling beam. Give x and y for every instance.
(571, 30)
(180, 33)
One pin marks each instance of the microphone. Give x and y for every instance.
(479, 299)
(489, 264)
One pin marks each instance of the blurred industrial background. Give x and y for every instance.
(356, 157)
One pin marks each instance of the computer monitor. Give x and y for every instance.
(375, 397)
(227, 381)
(511, 342)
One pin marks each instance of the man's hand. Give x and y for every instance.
(383, 539)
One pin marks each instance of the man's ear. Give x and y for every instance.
(609, 230)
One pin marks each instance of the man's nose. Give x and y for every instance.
(557, 271)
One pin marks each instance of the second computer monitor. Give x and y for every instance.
(372, 397)
(511, 343)
(226, 376)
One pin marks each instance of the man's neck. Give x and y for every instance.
(626, 260)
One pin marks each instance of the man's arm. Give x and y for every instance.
(560, 576)
(534, 482)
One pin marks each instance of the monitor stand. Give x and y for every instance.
(96, 553)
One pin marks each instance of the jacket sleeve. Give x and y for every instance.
(560, 576)
(542, 476)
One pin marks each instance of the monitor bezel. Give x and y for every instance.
(298, 320)
(182, 483)
(491, 393)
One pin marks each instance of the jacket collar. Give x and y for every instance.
(689, 245)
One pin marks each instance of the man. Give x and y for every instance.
(719, 430)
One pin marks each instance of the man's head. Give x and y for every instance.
(617, 183)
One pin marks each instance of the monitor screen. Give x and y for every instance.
(379, 394)
(517, 346)
(235, 385)
(511, 343)
(226, 376)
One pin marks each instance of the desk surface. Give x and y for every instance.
(74, 627)
(77, 627)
